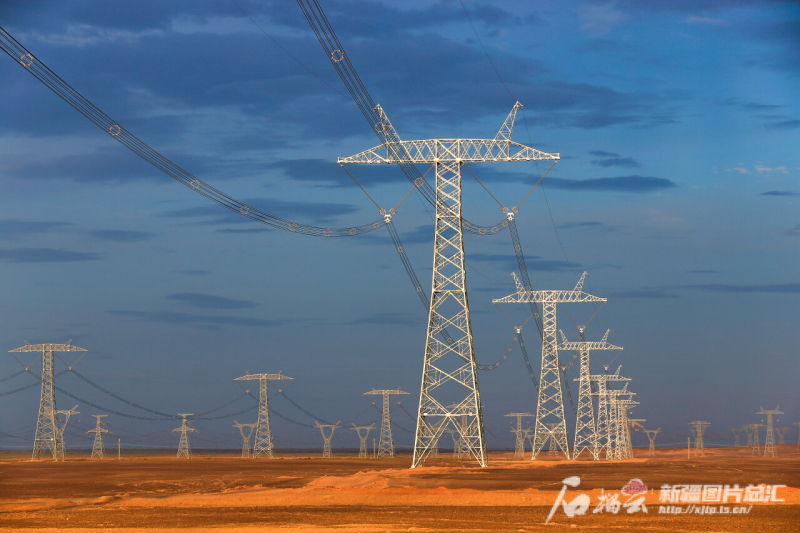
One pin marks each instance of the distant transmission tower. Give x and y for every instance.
(362, 450)
(605, 431)
(752, 437)
(769, 440)
(633, 422)
(550, 406)
(736, 432)
(456, 442)
(386, 443)
(449, 362)
(651, 435)
(61, 447)
(184, 450)
(263, 443)
(46, 423)
(697, 429)
(326, 447)
(98, 449)
(585, 430)
(246, 431)
(798, 432)
(519, 432)
(781, 434)
(624, 444)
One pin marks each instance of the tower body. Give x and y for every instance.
(263, 446)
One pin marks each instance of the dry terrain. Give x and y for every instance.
(293, 492)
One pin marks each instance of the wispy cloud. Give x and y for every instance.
(601, 19)
(625, 162)
(390, 319)
(194, 272)
(783, 125)
(13, 228)
(165, 317)
(645, 293)
(210, 301)
(586, 224)
(635, 184)
(780, 193)
(121, 235)
(793, 232)
(704, 272)
(792, 288)
(45, 255)
(706, 20)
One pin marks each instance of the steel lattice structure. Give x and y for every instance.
(769, 440)
(386, 443)
(362, 449)
(736, 433)
(246, 430)
(47, 430)
(263, 443)
(550, 406)
(326, 446)
(98, 449)
(651, 435)
(449, 368)
(184, 450)
(798, 432)
(520, 434)
(698, 428)
(61, 447)
(604, 433)
(585, 430)
(752, 438)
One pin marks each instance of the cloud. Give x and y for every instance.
(209, 301)
(45, 255)
(330, 174)
(244, 230)
(544, 265)
(194, 272)
(314, 211)
(165, 317)
(626, 162)
(646, 293)
(635, 184)
(706, 20)
(121, 235)
(586, 224)
(780, 193)
(793, 288)
(755, 106)
(793, 232)
(601, 153)
(389, 319)
(783, 125)
(704, 272)
(12, 228)
(600, 19)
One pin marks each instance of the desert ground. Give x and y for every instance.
(302, 492)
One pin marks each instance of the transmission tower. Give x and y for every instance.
(184, 450)
(781, 434)
(633, 422)
(752, 438)
(604, 438)
(585, 430)
(46, 423)
(769, 440)
(456, 443)
(736, 432)
(362, 450)
(326, 447)
(697, 430)
(246, 431)
(550, 406)
(624, 445)
(798, 432)
(449, 369)
(263, 442)
(386, 444)
(98, 449)
(61, 447)
(519, 432)
(651, 435)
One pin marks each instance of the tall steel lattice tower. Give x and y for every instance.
(604, 436)
(651, 436)
(769, 440)
(736, 433)
(362, 449)
(326, 446)
(246, 430)
(519, 433)
(47, 432)
(61, 446)
(550, 408)
(98, 449)
(184, 450)
(449, 371)
(263, 442)
(585, 430)
(698, 428)
(386, 443)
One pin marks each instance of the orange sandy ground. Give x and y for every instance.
(159, 493)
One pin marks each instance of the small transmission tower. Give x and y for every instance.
(184, 450)
(781, 434)
(769, 440)
(752, 437)
(697, 429)
(605, 434)
(246, 431)
(585, 430)
(386, 443)
(736, 432)
(519, 432)
(798, 432)
(362, 449)
(326, 447)
(550, 407)
(61, 447)
(263, 442)
(449, 362)
(651, 435)
(46, 424)
(98, 449)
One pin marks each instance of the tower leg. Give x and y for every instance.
(449, 376)
(585, 435)
(550, 407)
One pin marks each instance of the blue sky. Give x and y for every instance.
(677, 122)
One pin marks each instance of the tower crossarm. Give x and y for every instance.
(252, 377)
(68, 347)
(449, 151)
(574, 296)
(385, 391)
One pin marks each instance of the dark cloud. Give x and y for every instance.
(636, 184)
(601, 153)
(587, 224)
(544, 265)
(209, 301)
(780, 193)
(45, 255)
(647, 293)
(330, 174)
(791, 288)
(753, 106)
(793, 232)
(783, 125)
(316, 212)
(121, 235)
(704, 272)
(165, 317)
(625, 162)
(12, 228)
